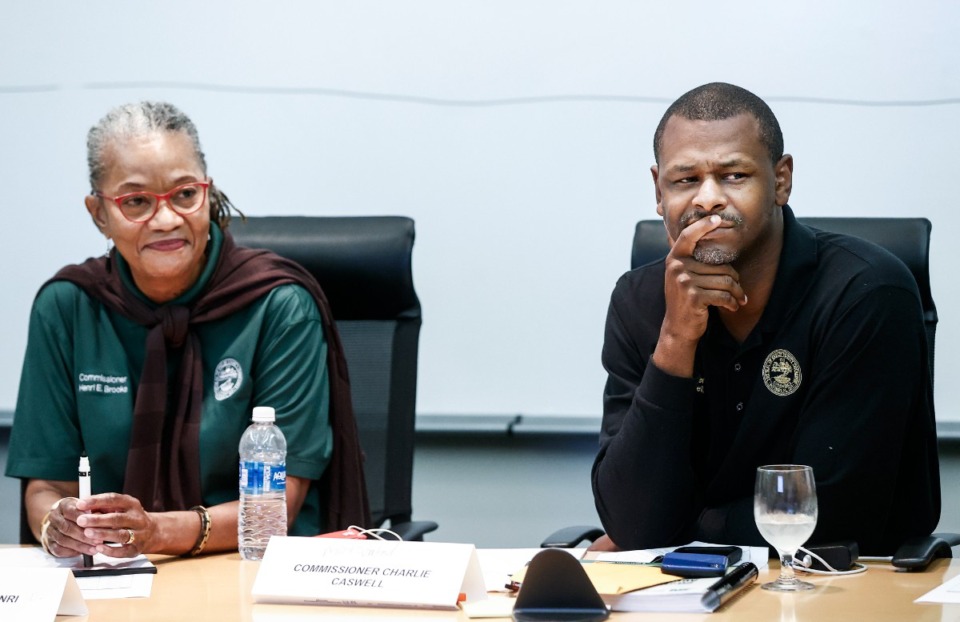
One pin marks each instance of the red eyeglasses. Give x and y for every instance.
(142, 206)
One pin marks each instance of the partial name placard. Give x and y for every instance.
(371, 573)
(38, 594)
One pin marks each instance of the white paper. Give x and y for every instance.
(946, 593)
(677, 596)
(640, 556)
(495, 607)
(116, 586)
(92, 588)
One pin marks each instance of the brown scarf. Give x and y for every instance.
(163, 461)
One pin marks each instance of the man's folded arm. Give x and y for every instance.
(643, 481)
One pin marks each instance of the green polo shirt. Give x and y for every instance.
(82, 368)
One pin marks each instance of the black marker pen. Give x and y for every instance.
(728, 585)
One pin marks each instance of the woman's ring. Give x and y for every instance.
(130, 537)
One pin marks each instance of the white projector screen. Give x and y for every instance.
(516, 134)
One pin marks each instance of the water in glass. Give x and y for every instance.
(785, 508)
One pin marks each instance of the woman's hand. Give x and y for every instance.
(88, 526)
(76, 527)
(60, 534)
(117, 518)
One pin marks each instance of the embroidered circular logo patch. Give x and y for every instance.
(781, 373)
(227, 378)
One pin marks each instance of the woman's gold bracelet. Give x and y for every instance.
(44, 525)
(205, 524)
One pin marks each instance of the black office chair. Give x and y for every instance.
(909, 240)
(363, 265)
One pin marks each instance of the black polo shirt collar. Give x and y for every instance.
(727, 371)
(795, 272)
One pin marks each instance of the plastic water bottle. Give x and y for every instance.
(263, 484)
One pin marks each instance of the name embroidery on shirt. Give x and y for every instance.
(102, 383)
(781, 373)
(227, 378)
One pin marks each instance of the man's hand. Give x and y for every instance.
(690, 288)
(603, 544)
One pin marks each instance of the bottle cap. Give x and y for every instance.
(263, 414)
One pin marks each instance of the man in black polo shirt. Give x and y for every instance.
(758, 340)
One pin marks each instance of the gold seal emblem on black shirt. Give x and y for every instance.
(781, 372)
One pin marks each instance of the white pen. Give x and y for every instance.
(83, 477)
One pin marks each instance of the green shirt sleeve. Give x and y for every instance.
(45, 441)
(291, 376)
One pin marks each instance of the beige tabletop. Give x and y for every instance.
(217, 587)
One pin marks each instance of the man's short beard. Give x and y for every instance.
(714, 256)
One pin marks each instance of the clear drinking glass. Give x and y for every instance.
(785, 508)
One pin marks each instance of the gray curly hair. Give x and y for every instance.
(143, 118)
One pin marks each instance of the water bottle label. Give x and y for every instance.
(258, 478)
(274, 478)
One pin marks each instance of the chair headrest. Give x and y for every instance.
(363, 263)
(907, 238)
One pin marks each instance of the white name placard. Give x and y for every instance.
(39, 594)
(373, 573)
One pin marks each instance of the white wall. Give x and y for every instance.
(517, 134)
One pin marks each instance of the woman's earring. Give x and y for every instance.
(109, 247)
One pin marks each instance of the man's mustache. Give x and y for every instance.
(691, 217)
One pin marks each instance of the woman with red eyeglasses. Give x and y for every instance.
(150, 359)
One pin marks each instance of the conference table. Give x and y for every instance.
(218, 587)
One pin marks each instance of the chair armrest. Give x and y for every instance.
(916, 553)
(412, 531)
(569, 537)
(953, 539)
